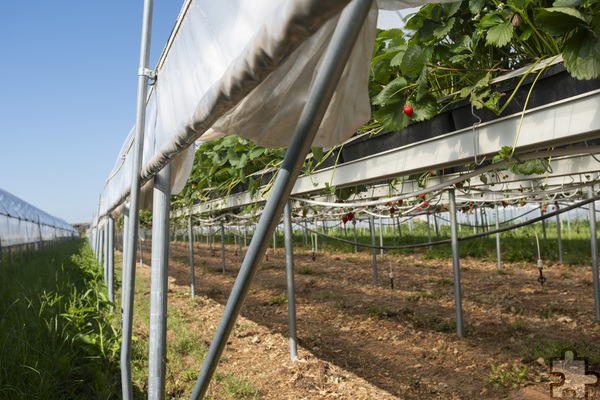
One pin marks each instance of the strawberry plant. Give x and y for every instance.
(220, 165)
(452, 51)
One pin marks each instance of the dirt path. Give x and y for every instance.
(364, 342)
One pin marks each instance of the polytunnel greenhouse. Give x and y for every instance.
(308, 206)
(25, 228)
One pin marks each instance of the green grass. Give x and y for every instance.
(305, 271)
(56, 337)
(508, 378)
(378, 311)
(554, 349)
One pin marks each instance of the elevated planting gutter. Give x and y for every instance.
(438, 144)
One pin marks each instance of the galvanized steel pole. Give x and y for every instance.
(455, 265)
(157, 360)
(191, 242)
(223, 247)
(289, 270)
(498, 253)
(594, 250)
(105, 251)
(319, 97)
(124, 289)
(374, 250)
(132, 231)
(558, 234)
(111, 262)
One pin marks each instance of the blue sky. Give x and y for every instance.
(67, 101)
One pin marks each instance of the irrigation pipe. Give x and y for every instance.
(463, 238)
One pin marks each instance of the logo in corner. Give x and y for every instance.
(577, 379)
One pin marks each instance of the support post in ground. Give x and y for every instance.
(110, 282)
(223, 246)
(191, 244)
(456, 265)
(289, 270)
(159, 278)
(130, 243)
(594, 250)
(498, 253)
(558, 235)
(374, 249)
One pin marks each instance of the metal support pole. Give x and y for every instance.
(111, 262)
(543, 224)
(124, 288)
(289, 270)
(159, 278)
(223, 247)
(558, 235)
(321, 92)
(381, 237)
(129, 269)
(105, 250)
(594, 250)
(306, 233)
(498, 252)
(483, 219)
(399, 227)
(476, 227)
(355, 236)
(141, 246)
(240, 244)
(191, 243)
(212, 241)
(455, 265)
(372, 230)
(429, 231)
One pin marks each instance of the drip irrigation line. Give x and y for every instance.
(463, 238)
(519, 195)
(483, 226)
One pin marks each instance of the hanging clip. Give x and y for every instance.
(148, 73)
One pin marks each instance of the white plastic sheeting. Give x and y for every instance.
(22, 223)
(244, 67)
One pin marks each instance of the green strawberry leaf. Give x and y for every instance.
(499, 35)
(559, 20)
(391, 92)
(581, 55)
(392, 117)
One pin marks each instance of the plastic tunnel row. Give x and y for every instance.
(23, 224)
(281, 73)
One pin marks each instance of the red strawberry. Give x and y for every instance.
(408, 110)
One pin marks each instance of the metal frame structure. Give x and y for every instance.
(562, 122)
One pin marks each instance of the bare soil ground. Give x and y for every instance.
(358, 341)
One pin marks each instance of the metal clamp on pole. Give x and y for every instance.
(151, 75)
